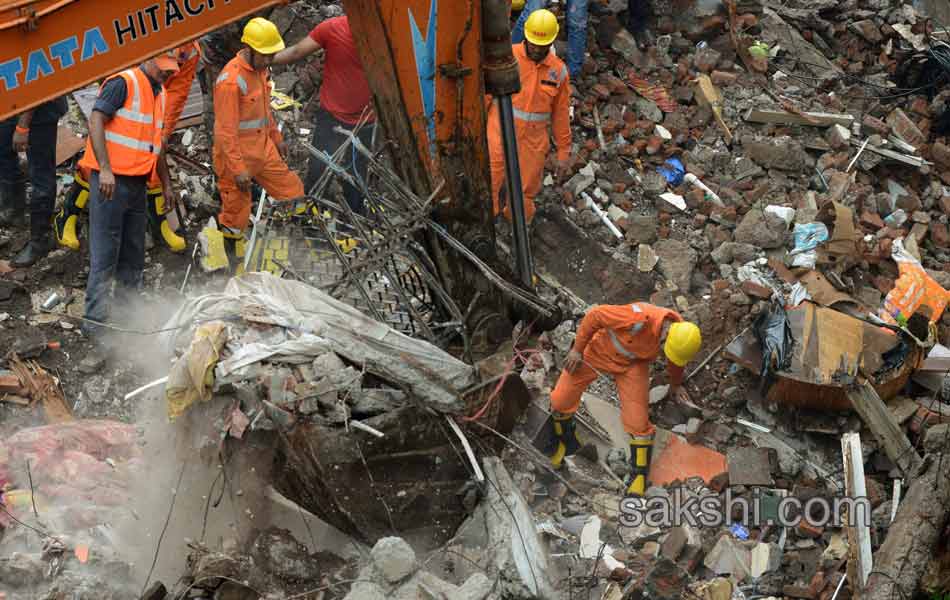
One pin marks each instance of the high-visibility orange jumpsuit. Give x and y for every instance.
(544, 99)
(245, 141)
(620, 340)
(178, 85)
(177, 88)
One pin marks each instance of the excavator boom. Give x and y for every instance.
(51, 47)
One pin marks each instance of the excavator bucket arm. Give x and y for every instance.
(51, 47)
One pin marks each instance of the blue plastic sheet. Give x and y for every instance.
(673, 170)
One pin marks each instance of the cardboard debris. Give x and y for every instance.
(822, 292)
(68, 144)
(830, 350)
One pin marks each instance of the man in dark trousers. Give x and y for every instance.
(33, 132)
(345, 99)
(123, 150)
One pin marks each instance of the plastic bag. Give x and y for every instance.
(673, 170)
(775, 339)
(807, 237)
(913, 289)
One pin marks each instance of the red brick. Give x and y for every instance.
(752, 288)
(616, 85)
(905, 127)
(874, 125)
(817, 584)
(871, 220)
(720, 285)
(567, 197)
(920, 106)
(940, 153)
(654, 145)
(945, 204)
(10, 384)
(723, 78)
(695, 198)
(602, 91)
(939, 235)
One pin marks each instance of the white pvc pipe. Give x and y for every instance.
(603, 216)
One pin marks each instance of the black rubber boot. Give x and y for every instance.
(12, 204)
(40, 244)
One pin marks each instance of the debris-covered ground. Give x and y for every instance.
(773, 172)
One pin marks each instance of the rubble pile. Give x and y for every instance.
(710, 165)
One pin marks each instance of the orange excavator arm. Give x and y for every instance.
(51, 47)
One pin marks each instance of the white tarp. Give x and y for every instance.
(312, 323)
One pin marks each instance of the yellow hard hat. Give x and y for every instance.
(517, 4)
(541, 28)
(262, 35)
(682, 343)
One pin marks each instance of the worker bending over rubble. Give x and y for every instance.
(622, 341)
(248, 146)
(544, 100)
(123, 152)
(177, 87)
(345, 101)
(33, 132)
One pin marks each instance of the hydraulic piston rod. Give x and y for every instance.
(502, 79)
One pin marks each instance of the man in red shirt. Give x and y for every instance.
(345, 99)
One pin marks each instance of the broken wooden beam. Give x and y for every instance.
(707, 93)
(814, 119)
(874, 413)
(913, 537)
(860, 560)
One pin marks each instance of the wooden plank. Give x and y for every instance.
(860, 559)
(913, 161)
(813, 119)
(879, 420)
(707, 93)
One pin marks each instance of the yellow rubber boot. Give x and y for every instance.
(565, 436)
(160, 226)
(641, 451)
(66, 221)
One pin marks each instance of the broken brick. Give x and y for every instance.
(601, 90)
(904, 127)
(875, 125)
(752, 288)
(940, 153)
(940, 235)
(9, 384)
(723, 78)
(945, 204)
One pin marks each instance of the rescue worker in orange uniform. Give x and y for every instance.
(123, 152)
(544, 100)
(177, 87)
(622, 341)
(248, 146)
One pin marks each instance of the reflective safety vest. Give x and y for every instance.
(134, 134)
